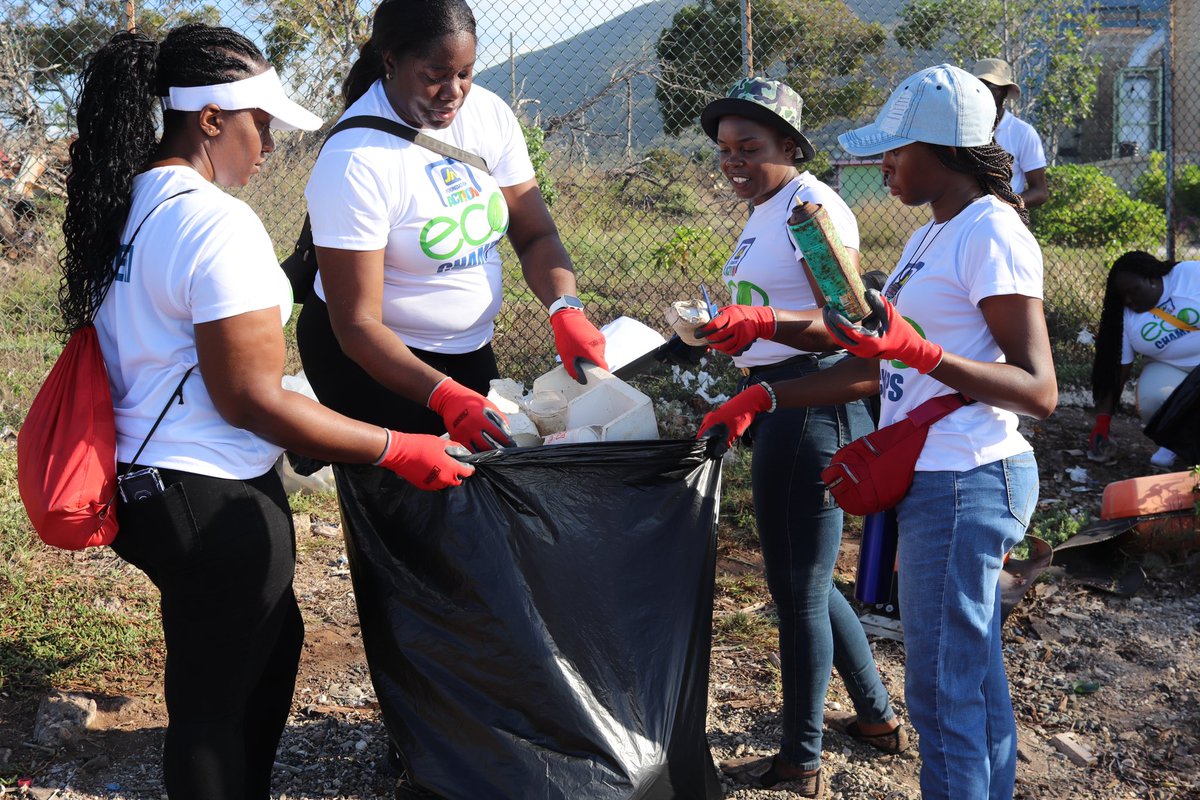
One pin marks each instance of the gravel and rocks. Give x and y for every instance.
(1105, 688)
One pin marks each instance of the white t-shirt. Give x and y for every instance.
(201, 257)
(1160, 340)
(943, 274)
(1019, 139)
(438, 221)
(765, 268)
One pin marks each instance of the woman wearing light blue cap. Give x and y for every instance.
(968, 317)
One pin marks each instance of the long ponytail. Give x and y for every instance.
(404, 27)
(118, 137)
(367, 69)
(116, 123)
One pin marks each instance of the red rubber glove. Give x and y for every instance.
(470, 417)
(577, 340)
(427, 462)
(1099, 431)
(1100, 447)
(895, 340)
(736, 414)
(735, 328)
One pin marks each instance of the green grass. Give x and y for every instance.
(1054, 525)
(28, 342)
(753, 631)
(65, 620)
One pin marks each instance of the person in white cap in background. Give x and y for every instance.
(180, 275)
(968, 317)
(1015, 135)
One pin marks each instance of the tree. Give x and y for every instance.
(43, 53)
(314, 42)
(818, 47)
(1045, 41)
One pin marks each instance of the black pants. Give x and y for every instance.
(344, 386)
(222, 553)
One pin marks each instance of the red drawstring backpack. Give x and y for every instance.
(67, 448)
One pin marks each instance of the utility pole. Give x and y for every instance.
(747, 39)
(1168, 109)
(629, 118)
(512, 72)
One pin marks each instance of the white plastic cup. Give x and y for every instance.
(588, 433)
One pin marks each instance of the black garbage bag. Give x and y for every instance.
(1176, 424)
(543, 631)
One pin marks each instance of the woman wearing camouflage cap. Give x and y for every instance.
(769, 332)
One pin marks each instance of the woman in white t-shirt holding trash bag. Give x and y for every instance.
(1151, 309)
(180, 274)
(757, 131)
(967, 317)
(400, 321)
(399, 325)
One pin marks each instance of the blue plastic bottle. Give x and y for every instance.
(876, 558)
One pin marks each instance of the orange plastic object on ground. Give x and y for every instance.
(1151, 494)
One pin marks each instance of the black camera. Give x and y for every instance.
(142, 484)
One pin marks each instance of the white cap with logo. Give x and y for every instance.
(260, 91)
(939, 105)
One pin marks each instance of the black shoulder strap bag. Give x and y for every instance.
(301, 266)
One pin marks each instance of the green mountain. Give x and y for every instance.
(572, 81)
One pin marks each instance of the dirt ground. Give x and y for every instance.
(1118, 676)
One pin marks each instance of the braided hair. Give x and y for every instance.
(1106, 367)
(992, 167)
(404, 27)
(117, 137)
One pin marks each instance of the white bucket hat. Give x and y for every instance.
(939, 105)
(260, 91)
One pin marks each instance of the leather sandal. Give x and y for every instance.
(892, 742)
(765, 772)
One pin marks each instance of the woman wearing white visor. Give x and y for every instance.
(188, 300)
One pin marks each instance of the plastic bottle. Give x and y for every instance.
(877, 558)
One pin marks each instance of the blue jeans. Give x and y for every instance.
(800, 528)
(955, 528)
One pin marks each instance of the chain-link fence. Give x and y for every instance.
(612, 92)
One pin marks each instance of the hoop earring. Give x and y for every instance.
(387, 76)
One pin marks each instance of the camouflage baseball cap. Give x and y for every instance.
(770, 102)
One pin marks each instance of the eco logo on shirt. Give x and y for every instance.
(462, 236)
(470, 226)
(1162, 332)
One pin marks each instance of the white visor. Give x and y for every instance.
(262, 91)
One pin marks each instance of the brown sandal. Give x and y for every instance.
(767, 771)
(892, 742)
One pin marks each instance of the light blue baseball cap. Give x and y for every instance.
(938, 105)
